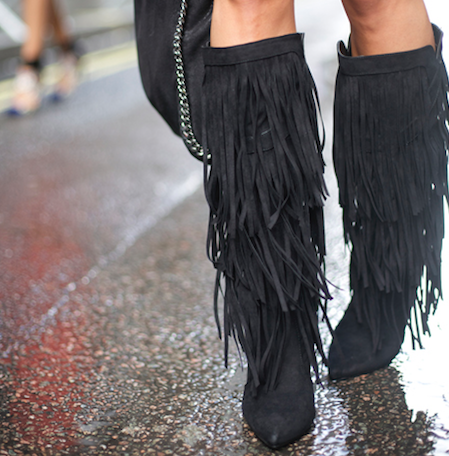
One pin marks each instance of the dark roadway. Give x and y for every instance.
(106, 325)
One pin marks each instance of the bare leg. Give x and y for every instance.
(36, 16)
(243, 21)
(388, 26)
(62, 38)
(40, 15)
(27, 97)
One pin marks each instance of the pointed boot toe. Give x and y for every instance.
(279, 419)
(281, 414)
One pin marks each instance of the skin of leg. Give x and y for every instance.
(388, 26)
(36, 17)
(57, 22)
(237, 22)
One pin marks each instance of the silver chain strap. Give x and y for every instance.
(187, 134)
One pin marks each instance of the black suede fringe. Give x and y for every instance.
(265, 188)
(390, 156)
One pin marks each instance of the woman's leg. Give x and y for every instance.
(36, 16)
(390, 156)
(388, 26)
(27, 96)
(264, 185)
(40, 16)
(244, 21)
(62, 38)
(70, 52)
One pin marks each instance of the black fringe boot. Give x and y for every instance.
(264, 185)
(390, 156)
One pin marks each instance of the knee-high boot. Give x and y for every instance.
(264, 185)
(390, 156)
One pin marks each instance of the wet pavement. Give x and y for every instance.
(106, 325)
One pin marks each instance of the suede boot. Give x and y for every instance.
(264, 185)
(390, 156)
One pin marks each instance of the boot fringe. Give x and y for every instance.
(390, 156)
(265, 188)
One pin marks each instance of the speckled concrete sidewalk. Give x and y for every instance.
(133, 366)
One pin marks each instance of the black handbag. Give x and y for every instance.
(169, 41)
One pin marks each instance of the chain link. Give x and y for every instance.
(187, 134)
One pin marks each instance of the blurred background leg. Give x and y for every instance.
(36, 17)
(70, 54)
(27, 96)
